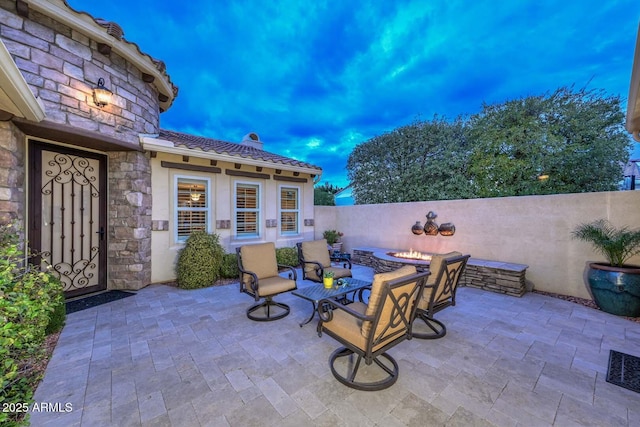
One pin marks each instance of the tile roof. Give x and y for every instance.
(180, 139)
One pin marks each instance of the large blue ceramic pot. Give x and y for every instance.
(616, 290)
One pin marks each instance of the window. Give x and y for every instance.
(247, 210)
(289, 210)
(192, 206)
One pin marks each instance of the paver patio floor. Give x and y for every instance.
(171, 357)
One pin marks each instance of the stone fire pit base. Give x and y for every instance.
(495, 276)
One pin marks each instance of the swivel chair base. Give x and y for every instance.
(387, 368)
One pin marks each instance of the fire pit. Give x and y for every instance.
(388, 260)
(410, 255)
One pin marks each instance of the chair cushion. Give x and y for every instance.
(275, 285)
(434, 268)
(375, 297)
(317, 251)
(260, 259)
(346, 326)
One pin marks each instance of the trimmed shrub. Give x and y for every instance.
(200, 261)
(287, 256)
(59, 314)
(230, 266)
(27, 300)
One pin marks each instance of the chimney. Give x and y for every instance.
(252, 140)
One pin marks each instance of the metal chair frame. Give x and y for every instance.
(401, 315)
(448, 279)
(318, 266)
(268, 304)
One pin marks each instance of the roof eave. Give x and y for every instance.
(86, 25)
(163, 146)
(633, 103)
(15, 95)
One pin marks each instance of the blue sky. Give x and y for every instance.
(316, 78)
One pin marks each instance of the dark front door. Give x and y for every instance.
(67, 214)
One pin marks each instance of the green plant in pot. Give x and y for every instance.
(333, 239)
(615, 285)
(332, 236)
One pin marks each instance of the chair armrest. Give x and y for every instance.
(327, 314)
(253, 284)
(361, 292)
(338, 259)
(319, 268)
(292, 271)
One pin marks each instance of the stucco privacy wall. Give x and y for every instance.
(61, 66)
(532, 230)
(221, 221)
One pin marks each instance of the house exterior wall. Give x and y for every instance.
(12, 198)
(61, 67)
(531, 230)
(163, 236)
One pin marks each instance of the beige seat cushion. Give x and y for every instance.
(434, 268)
(275, 285)
(375, 298)
(346, 326)
(317, 251)
(259, 259)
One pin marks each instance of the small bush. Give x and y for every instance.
(59, 314)
(200, 261)
(287, 256)
(27, 300)
(230, 267)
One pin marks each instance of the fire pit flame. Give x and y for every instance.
(411, 255)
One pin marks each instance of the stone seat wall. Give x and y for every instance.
(494, 276)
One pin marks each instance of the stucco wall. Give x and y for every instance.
(165, 247)
(532, 230)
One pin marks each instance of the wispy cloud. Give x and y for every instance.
(314, 79)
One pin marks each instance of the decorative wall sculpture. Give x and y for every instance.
(431, 228)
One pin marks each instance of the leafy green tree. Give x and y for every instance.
(567, 141)
(323, 195)
(425, 160)
(564, 142)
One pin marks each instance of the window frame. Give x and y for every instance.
(258, 209)
(297, 209)
(177, 209)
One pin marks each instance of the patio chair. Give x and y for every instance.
(439, 293)
(368, 331)
(259, 278)
(315, 260)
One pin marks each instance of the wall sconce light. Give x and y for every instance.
(101, 95)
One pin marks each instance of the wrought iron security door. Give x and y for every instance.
(68, 213)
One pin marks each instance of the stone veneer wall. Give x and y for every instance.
(129, 249)
(12, 200)
(61, 67)
(494, 276)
